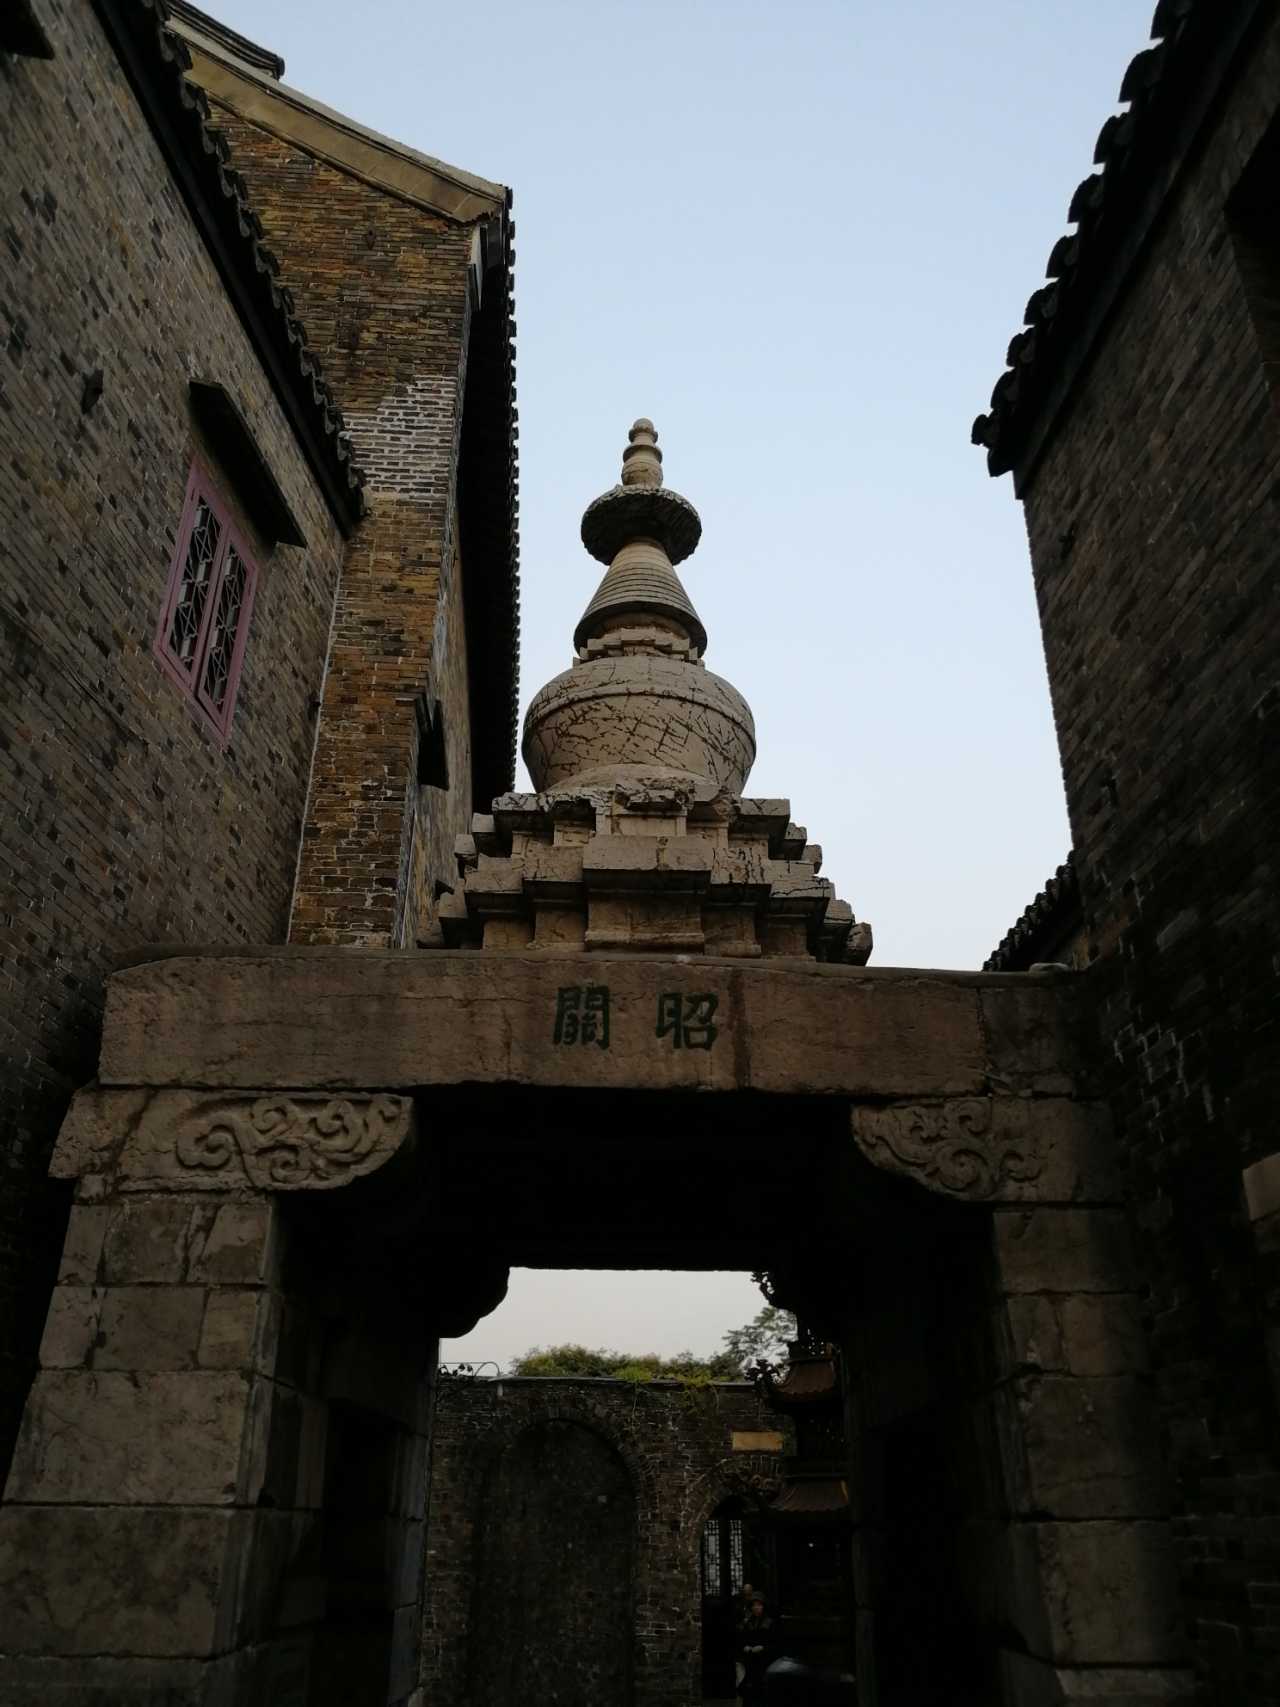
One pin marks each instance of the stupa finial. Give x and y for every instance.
(642, 460)
(640, 528)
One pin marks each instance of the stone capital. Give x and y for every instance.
(994, 1149)
(197, 1140)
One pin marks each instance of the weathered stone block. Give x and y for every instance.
(1099, 1594)
(610, 861)
(1063, 1250)
(298, 1337)
(1084, 1334)
(412, 1466)
(686, 859)
(731, 931)
(1103, 1334)
(237, 1246)
(1034, 1034)
(282, 1581)
(113, 1580)
(1261, 1184)
(406, 1637)
(507, 935)
(390, 1380)
(71, 1327)
(150, 1439)
(620, 919)
(559, 927)
(1076, 1448)
(149, 1327)
(94, 1129)
(553, 871)
(230, 1329)
(313, 1441)
(784, 938)
(1028, 1682)
(82, 1247)
(147, 1240)
(99, 1681)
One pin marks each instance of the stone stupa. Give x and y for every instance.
(639, 837)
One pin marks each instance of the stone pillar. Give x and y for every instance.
(1089, 1577)
(1071, 1549)
(209, 1481)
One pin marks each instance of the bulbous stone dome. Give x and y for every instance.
(639, 713)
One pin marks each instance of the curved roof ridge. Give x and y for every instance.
(1190, 38)
(1059, 895)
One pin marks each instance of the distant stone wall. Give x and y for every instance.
(121, 820)
(1153, 520)
(554, 1464)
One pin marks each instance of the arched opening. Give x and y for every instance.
(736, 1554)
(558, 1492)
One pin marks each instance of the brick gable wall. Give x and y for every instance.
(121, 821)
(1154, 520)
(383, 288)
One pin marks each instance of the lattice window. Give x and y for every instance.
(201, 637)
(711, 1559)
(722, 1557)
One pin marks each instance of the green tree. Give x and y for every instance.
(581, 1360)
(763, 1339)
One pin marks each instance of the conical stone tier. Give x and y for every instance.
(638, 837)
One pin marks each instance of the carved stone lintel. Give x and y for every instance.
(960, 1148)
(290, 1143)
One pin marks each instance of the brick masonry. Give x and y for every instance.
(665, 1451)
(383, 286)
(1153, 522)
(121, 821)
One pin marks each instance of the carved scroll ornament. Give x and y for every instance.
(295, 1142)
(959, 1148)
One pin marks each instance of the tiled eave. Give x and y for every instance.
(1171, 89)
(1044, 921)
(491, 531)
(155, 61)
(262, 58)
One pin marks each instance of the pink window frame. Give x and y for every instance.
(199, 485)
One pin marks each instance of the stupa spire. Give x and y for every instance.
(642, 460)
(641, 529)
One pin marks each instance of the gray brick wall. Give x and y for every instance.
(121, 822)
(383, 288)
(1154, 520)
(676, 1444)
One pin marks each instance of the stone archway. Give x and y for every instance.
(253, 1170)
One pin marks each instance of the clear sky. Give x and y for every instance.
(799, 237)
